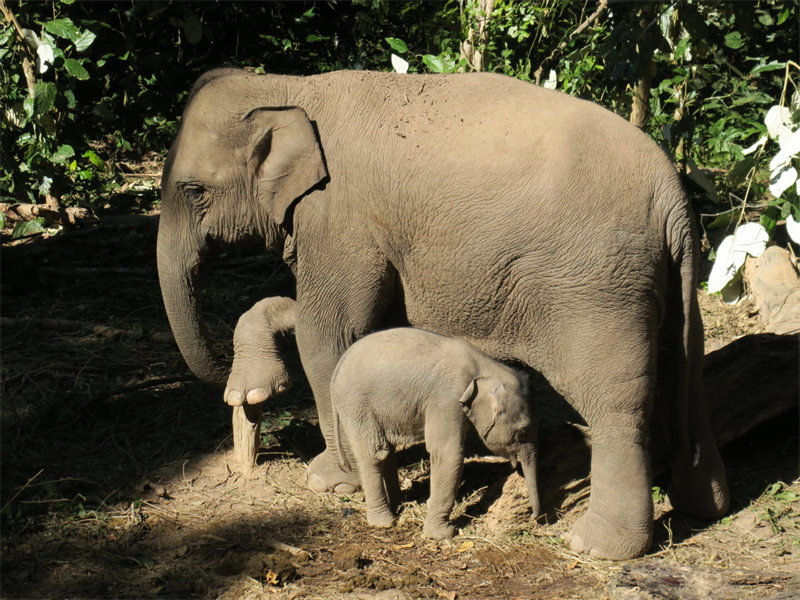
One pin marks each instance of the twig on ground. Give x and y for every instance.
(141, 386)
(102, 330)
(293, 550)
(22, 489)
(97, 271)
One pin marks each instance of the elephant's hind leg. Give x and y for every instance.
(699, 485)
(613, 390)
(619, 522)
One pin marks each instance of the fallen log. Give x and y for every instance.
(53, 214)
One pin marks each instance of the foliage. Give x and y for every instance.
(120, 72)
(35, 125)
(783, 128)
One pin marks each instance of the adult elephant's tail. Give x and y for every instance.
(699, 485)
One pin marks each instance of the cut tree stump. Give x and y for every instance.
(748, 382)
(775, 286)
(246, 438)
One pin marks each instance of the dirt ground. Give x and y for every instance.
(117, 479)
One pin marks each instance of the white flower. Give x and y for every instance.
(400, 65)
(552, 80)
(781, 179)
(778, 121)
(793, 229)
(750, 238)
(44, 57)
(750, 149)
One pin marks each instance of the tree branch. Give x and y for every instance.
(28, 59)
(602, 5)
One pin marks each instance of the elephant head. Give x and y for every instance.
(232, 173)
(499, 410)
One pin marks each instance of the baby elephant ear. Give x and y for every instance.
(480, 402)
(284, 158)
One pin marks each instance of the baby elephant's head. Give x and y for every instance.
(500, 409)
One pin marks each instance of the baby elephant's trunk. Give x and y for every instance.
(527, 458)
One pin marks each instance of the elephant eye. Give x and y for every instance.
(193, 192)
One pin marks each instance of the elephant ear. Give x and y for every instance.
(481, 404)
(285, 157)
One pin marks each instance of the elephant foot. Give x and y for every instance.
(324, 475)
(699, 487)
(438, 530)
(594, 535)
(380, 517)
(256, 383)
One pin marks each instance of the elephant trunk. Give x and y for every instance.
(527, 459)
(178, 263)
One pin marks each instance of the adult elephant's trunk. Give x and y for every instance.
(178, 262)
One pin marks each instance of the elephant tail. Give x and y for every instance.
(344, 464)
(681, 360)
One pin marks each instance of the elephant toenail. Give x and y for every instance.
(234, 398)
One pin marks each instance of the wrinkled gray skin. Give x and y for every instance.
(259, 371)
(540, 228)
(399, 387)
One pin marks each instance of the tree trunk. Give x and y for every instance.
(473, 49)
(640, 108)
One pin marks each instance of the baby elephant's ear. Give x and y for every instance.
(480, 402)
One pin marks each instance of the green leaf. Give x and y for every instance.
(766, 19)
(769, 218)
(64, 152)
(76, 69)
(734, 40)
(193, 28)
(84, 40)
(771, 66)
(44, 96)
(315, 37)
(435, 63)
(25, 228)
(94, 159)
(28, 106)
(740, 170)
(723, 220)
(63, 28)
(70, 96)
(783, 16)
(2, 220)
(397, 45)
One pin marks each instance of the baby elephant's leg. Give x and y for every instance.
(376, 479)
(447, 461)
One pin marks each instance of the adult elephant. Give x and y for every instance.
(541, 228)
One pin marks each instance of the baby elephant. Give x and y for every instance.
(401, 386)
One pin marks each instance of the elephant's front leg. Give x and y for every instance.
(446, 447)
(319, 361)
(330, 317)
